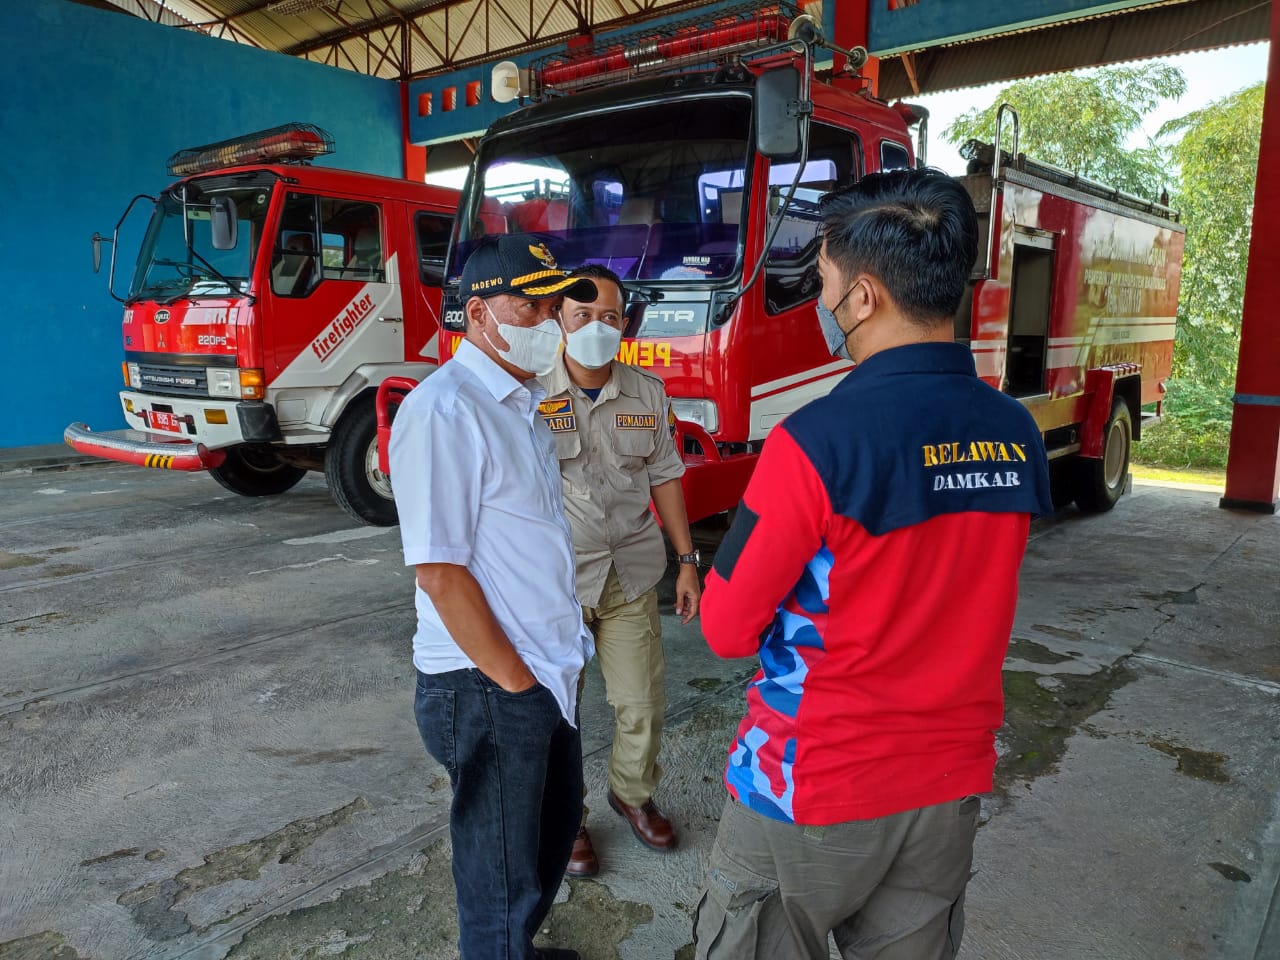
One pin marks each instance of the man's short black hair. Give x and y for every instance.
(598, 271)
(913, 230)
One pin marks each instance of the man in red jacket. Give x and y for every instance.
(873, 568)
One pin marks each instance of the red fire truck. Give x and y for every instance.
(269, 301)
(700, 186)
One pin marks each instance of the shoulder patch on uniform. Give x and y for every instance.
(560, 405)
(558, 414)
(636, 421)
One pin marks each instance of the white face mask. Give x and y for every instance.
(593, 345)
(531, 348)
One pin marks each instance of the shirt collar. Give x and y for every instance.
(496, 380)
(557, 381)
(621, 380)
(932, 357)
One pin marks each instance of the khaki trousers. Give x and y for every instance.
(629, 649)
(888, 889)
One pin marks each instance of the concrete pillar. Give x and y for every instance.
(1253, 464)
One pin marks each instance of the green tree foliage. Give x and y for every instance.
(1218, 159)
(1081, 122)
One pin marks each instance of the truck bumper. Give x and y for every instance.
(184, 433)
(161, 454)
(200, 420)
(712, 483)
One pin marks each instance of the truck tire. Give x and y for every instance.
(253, 470)
(351, 467)
(1099, 483)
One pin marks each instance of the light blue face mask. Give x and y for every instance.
(837, 339)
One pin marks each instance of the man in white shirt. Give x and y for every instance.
(500, 641)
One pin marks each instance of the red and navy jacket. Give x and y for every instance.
(873, 567)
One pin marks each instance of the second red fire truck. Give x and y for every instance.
(269, 300)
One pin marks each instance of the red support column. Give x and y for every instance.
(415, 158)
(853, 29)
(1253, 465)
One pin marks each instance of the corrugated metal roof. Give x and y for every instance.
(400, 39)
(1157, 30)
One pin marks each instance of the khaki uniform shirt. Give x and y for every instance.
(611, 452)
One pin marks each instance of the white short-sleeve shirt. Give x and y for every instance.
(477, 484)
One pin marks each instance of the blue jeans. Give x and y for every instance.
(516, 769)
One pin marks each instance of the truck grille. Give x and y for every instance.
(173, 381)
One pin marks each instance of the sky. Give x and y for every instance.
(1211, 75)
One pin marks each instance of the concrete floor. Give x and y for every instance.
(207, 748)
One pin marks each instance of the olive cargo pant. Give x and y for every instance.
(888, 889)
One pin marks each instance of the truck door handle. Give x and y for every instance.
(391, 319)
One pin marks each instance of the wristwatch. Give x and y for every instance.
(695, 558)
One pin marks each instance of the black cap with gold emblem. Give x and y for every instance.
(519, 265)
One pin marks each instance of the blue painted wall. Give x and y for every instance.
(94, 103)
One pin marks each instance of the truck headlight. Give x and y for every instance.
(701, 412)
(223, 382)
(131, 378)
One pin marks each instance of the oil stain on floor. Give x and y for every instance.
(1041, 713)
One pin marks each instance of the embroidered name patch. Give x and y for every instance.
(636, 421)
(558, 414)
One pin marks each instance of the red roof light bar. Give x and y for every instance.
(681, 45)
(287, 143)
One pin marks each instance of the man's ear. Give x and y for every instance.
(477, 315)
(864, 298)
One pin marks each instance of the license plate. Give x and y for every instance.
(160, 420)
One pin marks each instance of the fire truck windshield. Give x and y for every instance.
(181, 262)
(654, 191)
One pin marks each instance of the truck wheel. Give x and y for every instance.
(1099, 483)
(351, 468)
(256, 471)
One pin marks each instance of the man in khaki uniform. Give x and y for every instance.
(611, 424)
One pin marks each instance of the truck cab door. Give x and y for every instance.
(790, 363)
(431, 231)
(333, 301)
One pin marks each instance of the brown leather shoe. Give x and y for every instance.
(582, 862)
(647, 823)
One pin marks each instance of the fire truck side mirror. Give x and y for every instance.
(225, 224)
(778, 113)
(97, 252)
